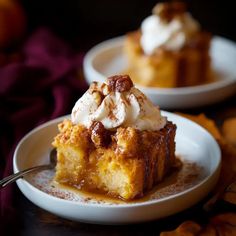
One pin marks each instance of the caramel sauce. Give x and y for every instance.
(101, 196)
(95, 194)
(188, 175)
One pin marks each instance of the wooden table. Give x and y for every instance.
(33, 221)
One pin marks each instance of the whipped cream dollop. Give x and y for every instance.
(115, 109)
(172, 34)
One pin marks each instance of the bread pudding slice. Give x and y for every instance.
(126, 165)
(117, 142)
(169, 50)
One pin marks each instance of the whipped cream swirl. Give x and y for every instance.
(117, 109)
(172, 35)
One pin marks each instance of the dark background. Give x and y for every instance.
(86, 22)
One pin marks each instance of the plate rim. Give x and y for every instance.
(126, 205)
(118, 42)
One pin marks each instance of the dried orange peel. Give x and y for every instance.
(229, 130)
(223, 224)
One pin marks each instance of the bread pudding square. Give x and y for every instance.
(170, 50)
(132, 163)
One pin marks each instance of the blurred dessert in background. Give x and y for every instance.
(117, 142)
(170, 50)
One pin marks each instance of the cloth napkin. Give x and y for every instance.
(41, 86)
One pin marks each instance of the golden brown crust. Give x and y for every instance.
(74, 135)
(132, 163)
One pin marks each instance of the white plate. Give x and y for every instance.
(193, 143)
(107, 59)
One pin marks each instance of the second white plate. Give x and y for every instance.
(107, 59)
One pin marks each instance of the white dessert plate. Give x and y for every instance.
(107, 59)
(199, 153)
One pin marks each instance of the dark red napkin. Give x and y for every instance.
(41, 86)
